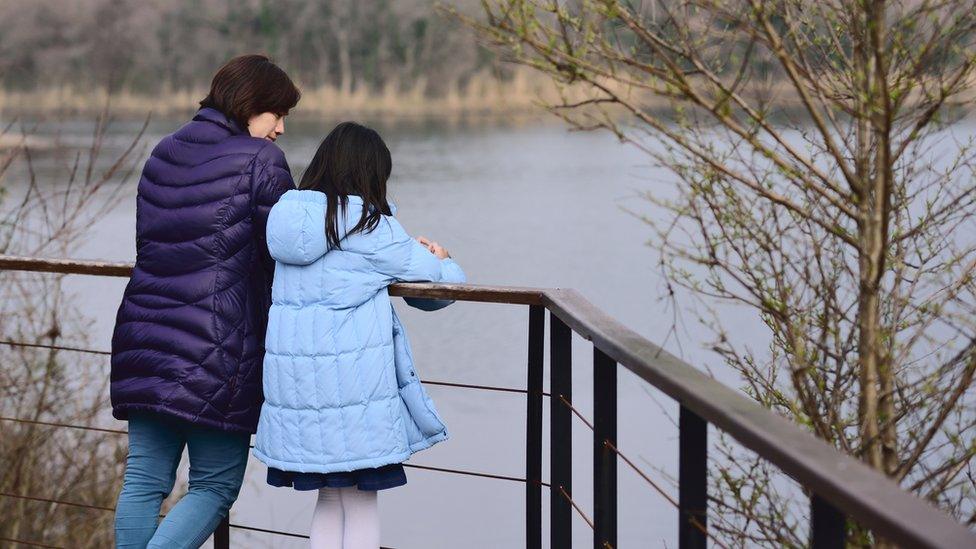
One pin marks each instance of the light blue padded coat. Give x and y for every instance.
(340, 388)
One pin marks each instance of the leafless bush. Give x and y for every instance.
(40, 384)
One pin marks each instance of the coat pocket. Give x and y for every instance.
(415, 398)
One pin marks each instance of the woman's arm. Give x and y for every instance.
(271, 179)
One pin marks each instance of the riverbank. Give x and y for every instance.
(483, 93)
(518, 100)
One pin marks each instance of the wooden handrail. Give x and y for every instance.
(460, 292)
(869, 497)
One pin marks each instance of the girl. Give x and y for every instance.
(343, 406)
(189, 334)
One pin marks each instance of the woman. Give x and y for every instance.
(189, 335)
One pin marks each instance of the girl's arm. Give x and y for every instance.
(426, 304)
(401, 258)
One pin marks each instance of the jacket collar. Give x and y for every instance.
(208, 114)
(358, 200)
(308, 195)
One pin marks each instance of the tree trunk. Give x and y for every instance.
(345, 63)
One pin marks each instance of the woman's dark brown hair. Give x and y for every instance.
(249, 85)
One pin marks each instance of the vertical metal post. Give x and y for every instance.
(827, 525)
(533, 429)
(604, 459)
(692, 480)
(560, 433)
(222, 534)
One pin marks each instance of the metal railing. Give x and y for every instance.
(841, 488)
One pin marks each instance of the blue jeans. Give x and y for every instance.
(217, 462)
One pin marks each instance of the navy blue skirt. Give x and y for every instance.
(380, 478)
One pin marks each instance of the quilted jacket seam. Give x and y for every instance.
(252, 209)
(197, 205)
(218, 245)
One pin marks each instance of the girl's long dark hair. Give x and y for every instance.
(352, 160)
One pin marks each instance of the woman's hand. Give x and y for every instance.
(434, 247)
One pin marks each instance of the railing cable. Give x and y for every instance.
(427, 381)
(469, 473)
(58, 501)
(482, 387)
(627, 460)
(55, 347)
(266, 531)
(415, 466)
(64, 425)
(112, 509)
(30, 543)
(579, 511)
(693, 521)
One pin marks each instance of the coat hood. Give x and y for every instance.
(296, 226)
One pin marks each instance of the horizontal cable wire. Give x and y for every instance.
(64, 425)
(482, 387)
(109, 353)
(589, 522)
(694, 522)
(30, 543)
(55, 347)
(463, 472)
(58, 501)
(576, 412)
(653, 484)
(266, 531)
(562, 491)
(470, 473)
(112, 509)
(123, 432)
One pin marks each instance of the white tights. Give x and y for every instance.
(346, 518)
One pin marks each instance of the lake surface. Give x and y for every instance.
(524, 204)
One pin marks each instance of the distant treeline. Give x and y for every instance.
(169, 47)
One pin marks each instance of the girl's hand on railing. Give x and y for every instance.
(434, 247)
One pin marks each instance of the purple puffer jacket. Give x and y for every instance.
(189, 334)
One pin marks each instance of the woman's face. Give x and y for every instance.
(266, 125)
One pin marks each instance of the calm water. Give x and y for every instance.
(517, 204)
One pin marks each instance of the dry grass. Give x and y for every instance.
(43, 464)
(483, 93)
(524, 92)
